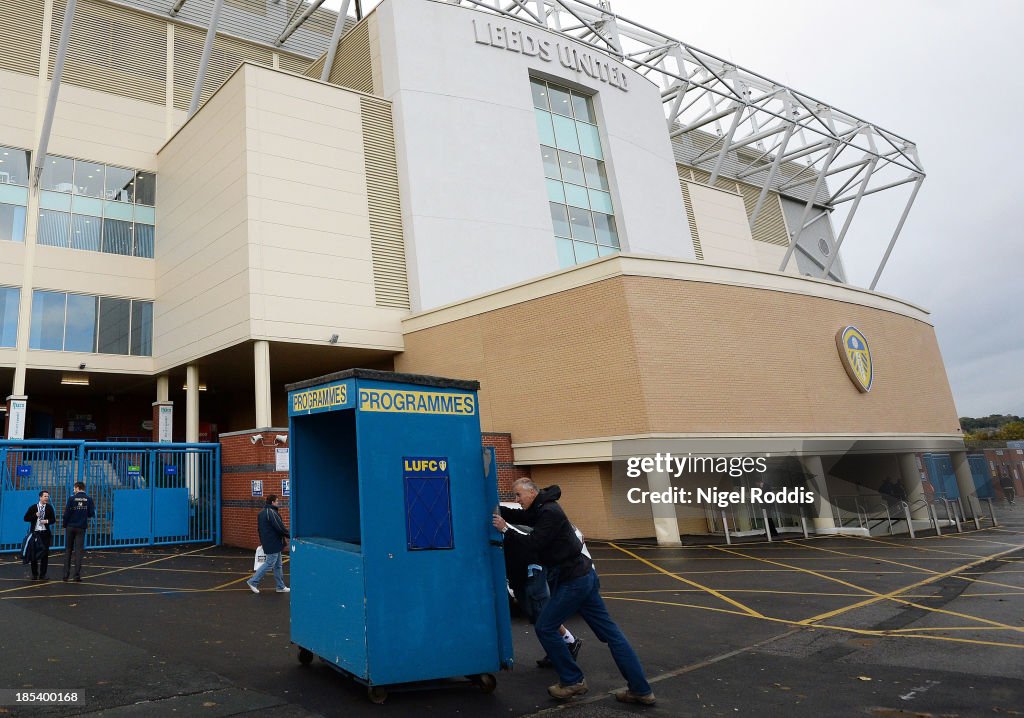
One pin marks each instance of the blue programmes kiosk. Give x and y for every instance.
(396, 573)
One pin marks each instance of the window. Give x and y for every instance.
(86, 323)
(13, 166)
(582, 214)
(12, 223)
(111, 209)
(10, 299)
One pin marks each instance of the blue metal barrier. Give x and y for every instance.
(144, 493)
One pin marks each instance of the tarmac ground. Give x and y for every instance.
(838, 626)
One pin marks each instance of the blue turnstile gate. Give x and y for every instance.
(145, 493)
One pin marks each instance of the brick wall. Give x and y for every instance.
(243, 462)
(508, 473)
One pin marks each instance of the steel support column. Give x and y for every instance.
(896, 234)
(339, 28)
(807, 207)
(51, 100)
(204, 62)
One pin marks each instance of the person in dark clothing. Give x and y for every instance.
(528, 581)
(77, 513)
(1006, 484)
(41, 517)
(575, 588)
(273, 537)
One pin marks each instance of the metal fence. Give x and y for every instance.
(144, 493)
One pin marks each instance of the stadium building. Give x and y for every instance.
(631, 243)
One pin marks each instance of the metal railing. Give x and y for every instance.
(144, 493)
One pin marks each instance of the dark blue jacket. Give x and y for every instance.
(272, 530)
(78, 511)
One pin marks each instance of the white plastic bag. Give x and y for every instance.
(260, 558)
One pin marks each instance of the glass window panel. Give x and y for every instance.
(119, 185)
(47, 330)
(142, 329)
(13, 194)
(556, 193)
(560, 101)
(581, 225)
(572, 167)
(58, 174)
(547, 134)
(596, 175)
(605, 251)
(560, 219)
(145, 188)
(576, 196)
(13, 166)
(85, 232)
(115, 322)
(590, 140)
(86, 205)
(80, 330)
(88, 178)
(12, 223)
(549, 155)
(605, 226)
(144, 214)
(144, 240)
(54, 228)
(55, 201)
(117, 236)
(540, 94)
(583, 108)
(565, 255)
(584, 252)
(10, 298)
(565, 134)
(118, 210)
(600, 201)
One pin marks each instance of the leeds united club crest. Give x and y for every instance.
(856, 357)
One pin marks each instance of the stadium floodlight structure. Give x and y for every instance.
(771, 124)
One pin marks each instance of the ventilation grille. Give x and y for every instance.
(352, 65)
(227, 54)
(770, 226)
(293, 63)
(684, 185)
(21, 27)
(316, 69)
(390, 283)
(112, 49)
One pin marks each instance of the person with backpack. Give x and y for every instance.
(77, 513)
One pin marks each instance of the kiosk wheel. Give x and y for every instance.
(377, 694)
(485, 681)
(305, 656)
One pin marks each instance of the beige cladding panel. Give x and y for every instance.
(98, 273)
(18, 100)
(635, 355)
(589, 501)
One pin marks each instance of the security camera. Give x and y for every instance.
(281, 439)
(256, 437)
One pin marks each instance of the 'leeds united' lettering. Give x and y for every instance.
(592, 64)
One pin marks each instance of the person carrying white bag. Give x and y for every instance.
(273, 538)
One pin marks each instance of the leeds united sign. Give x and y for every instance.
(592, 64)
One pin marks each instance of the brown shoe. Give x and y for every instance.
(627, 696)
(562, 692)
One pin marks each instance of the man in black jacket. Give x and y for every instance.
(77, 513)
(273, 537)
(575, 588)
(41, 517)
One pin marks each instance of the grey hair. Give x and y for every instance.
(527, 483)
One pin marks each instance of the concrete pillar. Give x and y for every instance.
(163, 388)
(910, 480)
(824, 522)
(261, 359)
(666, 525)
(965, 482)
(192, 403)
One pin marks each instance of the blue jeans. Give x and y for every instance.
(273, 562)
(583, 595)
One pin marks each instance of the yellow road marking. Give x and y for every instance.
(687, 581)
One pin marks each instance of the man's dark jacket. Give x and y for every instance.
(553, 539)
(272, 530)
(78, 511)
(33, 513)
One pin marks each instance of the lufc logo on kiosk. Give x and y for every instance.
(856, 356)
